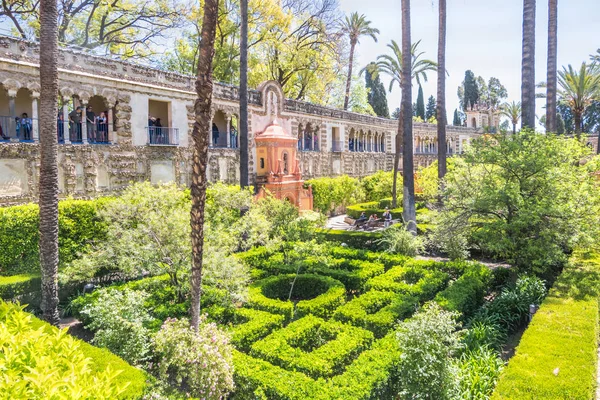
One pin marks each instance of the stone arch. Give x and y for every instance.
(474, 122)
(272, 98)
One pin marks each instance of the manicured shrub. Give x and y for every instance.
(398, 239)
(371, 208)
(379, 185)
(317, 295)
(467, 293)
(415, 281)
(17, 285)
(118, 319)
(332, 193)
(256, 325)
(356, 239)
(377, 311)
(201, 362)
(313, 346)
(557, 355)
(40, 362)
(476, 373)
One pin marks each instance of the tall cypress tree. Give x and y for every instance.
(430, 109)
(421, 104)
(471, 91)
(456, 121)
(376, 97)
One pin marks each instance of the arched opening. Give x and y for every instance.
(234, 136)
(219, 130)
(474, 122)
(352, 140)
(285, 163)
(97, 120)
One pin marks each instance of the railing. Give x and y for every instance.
(337, 146)
(16, 128)
(163, 136)
(99, 133)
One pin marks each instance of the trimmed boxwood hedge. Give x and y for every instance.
(313, 346)
(557, 355)
(415, 281)
(134, 378)
(356, 239)
(370, 208)
(467, 293)
(14, 286)
(257, 324)
(377, 311)
(323, 295)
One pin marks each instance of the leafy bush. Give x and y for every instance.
(318, 295)
(377, 311)
(356, 239)
(313, 346)
(427, 342)
(118, 319)
(371, 208)
(467, 293)
(40, 362)
(79, 225)
(332, 193)
(476, 374)
(199, 361)
(557, 355)
(15, 286)
(256, 325)
(379, 185)
(410, 280)
(398, 240)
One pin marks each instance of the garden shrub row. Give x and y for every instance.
(313, 346)
(557, 355)
(256, 325)
(78, 225)
(317, 295)
(16, 286)
(467, 293)
(371, 208)
(415, 281)
(56, 362)
(377, 311)
(356, 239)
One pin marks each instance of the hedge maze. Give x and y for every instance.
(321, 327)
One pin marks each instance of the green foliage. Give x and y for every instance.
(412, 280)
(557, 355)
(331, 193)
(469, 96)
(456, 121)
(525, 198)
(430, 111)
(41, 362)
(201, 362)
(317, 295)
(374, 207)
(398, 239)
(18, 285)
(377, 311)
(378, 186)
(476, 374)
(256, 325)
(420, 109)
(313, 346)
(377, 96)
(466, 294)
(79, 225)
(357, 239)
(118, 319)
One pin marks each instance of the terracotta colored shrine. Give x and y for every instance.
(278, 170)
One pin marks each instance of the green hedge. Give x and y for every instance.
(319, 295)
(256, 325)
(371, 208)
(133, 378)
(356, 239)
(467, 293)
(557, 355)
(415, 281)
(78, 225)
(12, 287)
(377, 311)
(313, 346)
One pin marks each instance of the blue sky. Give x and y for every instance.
(484, 36)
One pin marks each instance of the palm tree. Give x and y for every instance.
(48, 184)
(595, 57)
(528, 65)
(200, 134)
(512, 111)
(244, 95)
(355, 27)
(578, 89)
(441, 91)
(410, 215)
(551, 117)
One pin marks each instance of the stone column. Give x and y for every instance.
(228, 130)
(84, 138)
(66, 133)
(35, 126)
(12, 125)
(112, 138)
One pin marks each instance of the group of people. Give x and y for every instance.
(23, 127)
(372, 220)
(216, 134)
(158, 135)
(96, 125)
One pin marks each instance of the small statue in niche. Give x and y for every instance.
(285, 164)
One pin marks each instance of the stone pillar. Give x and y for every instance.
(12, 125)
(303, 139)
(228, 130)
(67, 133)
(84, 138)
(112, 138)
(35, 126)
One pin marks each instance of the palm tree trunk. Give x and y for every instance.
(48, 189)
(244, 95)
(349, 80)
(200, 135)
(528, 66)
(397, 160)
(514, 128)
(552, 66)
(408, 176)
(441, 92)
(577, 119)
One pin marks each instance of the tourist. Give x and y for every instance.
(102, 127)
(215, 134)
(2, 134)
(60, 127)
(75, 125)
(387, 218)
(18, 126)
(151, 121)
(159, 132)
(90, 117)
(233, 138)
(26, 126)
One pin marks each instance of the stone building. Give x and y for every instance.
(127, 144)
